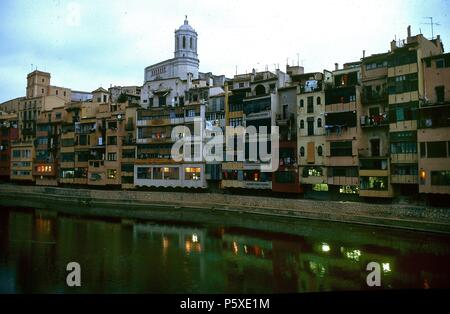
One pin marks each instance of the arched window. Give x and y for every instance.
(319, 122)
(319, 150)
(190, 42)
(260, 90)
(302, 124)
(302, 151)
(319, 101)
(177, 43)
(301, 103)
(184, 42)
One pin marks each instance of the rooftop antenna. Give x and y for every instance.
(298, 59)
(236, 70)
(432, 24)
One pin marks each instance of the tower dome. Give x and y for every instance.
(186, 41)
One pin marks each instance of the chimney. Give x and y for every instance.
(364, 54)
(409, 31)
(336, 66)
(393, 45)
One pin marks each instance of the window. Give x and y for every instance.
(302, 151)
(404, 169)
(84, 140)
(190, 113)
(302, 124)
(82, 156)
(437, 149)
(423, 150)
(192, 174)
(190, 42)
(440, 93)
(343, 148)
(319, 101)
(112, 173)
(112, 125)
(319, 150)
(127, 167)
(112, 140)
(310, 104)
(301, 103)
(67, 157)
(310, 126)
(404, 148)
(171, 173)
(128, 153)
(67, 142)
(162, 101)
(184, 42)
(67, 173)
(157, 173)
(440, 63)
(112, 156)
(440, 178)
(319, 122)
(144, 173)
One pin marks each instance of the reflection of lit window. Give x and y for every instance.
(317, 268)
(235, 248)
(386, 267)
(325, 247)
(348, 189)
(322, 187)
(354, 255)
(194, 238)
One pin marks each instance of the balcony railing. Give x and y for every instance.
(379, 120)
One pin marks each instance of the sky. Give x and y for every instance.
(88, 44)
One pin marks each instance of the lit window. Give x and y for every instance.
(112, 173)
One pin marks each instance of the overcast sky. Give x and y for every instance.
(87, 44)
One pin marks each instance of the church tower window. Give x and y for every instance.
(184, 42)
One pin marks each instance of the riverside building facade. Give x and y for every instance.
(375, 129)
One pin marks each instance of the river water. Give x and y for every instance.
(155, 257)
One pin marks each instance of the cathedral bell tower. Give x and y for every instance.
(186, 41)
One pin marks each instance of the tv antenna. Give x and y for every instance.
(432, 24)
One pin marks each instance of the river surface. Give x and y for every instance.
(155, 257)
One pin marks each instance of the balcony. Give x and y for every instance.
(374, 98)
(28, 131)
(126, 141)
(404, 179)
(374, 121)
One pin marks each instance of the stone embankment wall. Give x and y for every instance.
(394, 215)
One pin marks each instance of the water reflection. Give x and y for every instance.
(156, 257)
